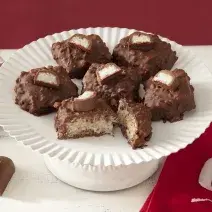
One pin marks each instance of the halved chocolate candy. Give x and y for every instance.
(47, 78)
(7, 169)
(166, 78)
(141, 41)
(85, 102)
(108, 72)
(81, 41)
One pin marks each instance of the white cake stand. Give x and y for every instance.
(105, 163)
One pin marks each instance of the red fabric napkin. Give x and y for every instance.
(178, 182)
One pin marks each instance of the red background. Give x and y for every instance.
(188, 22)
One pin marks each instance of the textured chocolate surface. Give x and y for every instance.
(170, 104)
(66, 116)
(7, 169)
(75, 60)
(144, 64)
(39, 100)
(113, 92)
(142, 119)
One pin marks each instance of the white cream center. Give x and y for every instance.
(140, 39)
(47, 78)
(108, 71)
(86, 95)
(163, 78)
(80, 41)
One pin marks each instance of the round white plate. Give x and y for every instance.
(39, 133)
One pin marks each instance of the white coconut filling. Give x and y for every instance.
(128, 121)
(108, 71)
(80, 41)
(86, 127)
(140, 39)
(86, 95)
(164, 78)
(47, 78)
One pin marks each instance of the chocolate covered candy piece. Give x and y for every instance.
(108, 72)
(7, 170)
(85, 102)
(141, 41)
(82, 41)
(47, 78)
(167, 79)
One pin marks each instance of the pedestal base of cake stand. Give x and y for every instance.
(101, 178)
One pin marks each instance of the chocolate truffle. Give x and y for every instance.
(38, 90)
(112, 89)
(77, 53)
(135, 122)
(169, 95)
(78, 122)
(145, 54)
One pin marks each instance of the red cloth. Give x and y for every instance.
(187, 22)
(178, 182)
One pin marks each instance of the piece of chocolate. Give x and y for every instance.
(75, 124)
(85, 102)
(135, 122)
(111, 93)
(108, 72)
(77, 53)
(7, 169)
(82, 41)
(141, 41)
(47, 78)
(141, 64)
(167, 79)
(39, 100)
(169, 104)
(1, 61)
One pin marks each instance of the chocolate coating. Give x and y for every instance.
(7, 169)
(75, 60)
(113, 92)
(170, 104)
(135, 117)
(39, 100)
(144, 64)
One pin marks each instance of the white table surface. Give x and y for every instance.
(34, 188)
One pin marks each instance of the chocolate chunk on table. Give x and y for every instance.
(7, 169)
